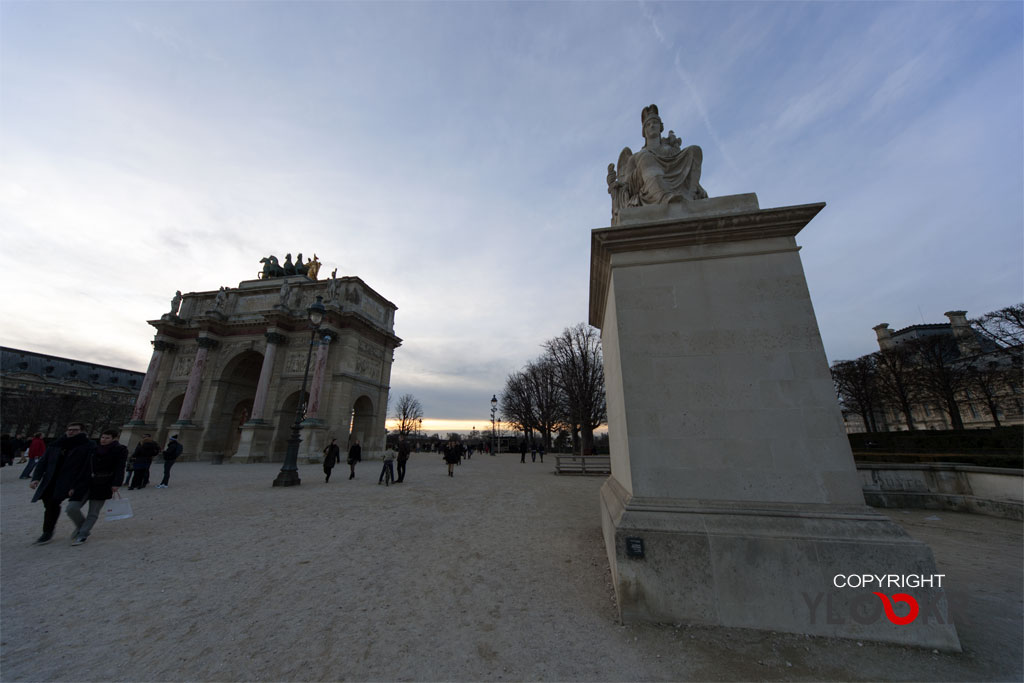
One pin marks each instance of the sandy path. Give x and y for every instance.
(498, 573)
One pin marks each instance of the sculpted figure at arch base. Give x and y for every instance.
(227, 369)
(734, 499)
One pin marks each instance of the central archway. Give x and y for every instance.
(235, 391)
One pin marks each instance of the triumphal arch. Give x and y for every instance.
(227, 367)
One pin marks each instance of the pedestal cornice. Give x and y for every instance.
(784, 221)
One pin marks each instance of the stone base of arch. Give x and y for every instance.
(189, 436)
(314, 440)
(131, 433)
(254, 442)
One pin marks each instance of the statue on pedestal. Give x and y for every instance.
(659, 172)
(176, 303)
(332, 288)
(285, 292)
(220, 299)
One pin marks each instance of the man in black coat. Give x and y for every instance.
(143, 457)
(355, 454)
(403, 458)
(106, 475)
(62, 472)
(171, 454)
(332, 455)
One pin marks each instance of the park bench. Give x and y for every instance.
(583, 464)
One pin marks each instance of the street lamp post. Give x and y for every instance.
(289, 474)
(494, 408)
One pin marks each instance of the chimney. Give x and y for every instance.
(884, 336)
(966, 339)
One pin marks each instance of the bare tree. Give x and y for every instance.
(576, 355)
(986, 381)
(545, 396)
(515, 402)
(939, 375)
(1005, 327)
(408, 414)
(897, 382)
(856, 383)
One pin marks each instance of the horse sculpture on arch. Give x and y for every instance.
(271, 268)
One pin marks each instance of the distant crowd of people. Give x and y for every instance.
(395, 460)
(79, 470)
(76, 469)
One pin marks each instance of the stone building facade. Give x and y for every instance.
(42, 393)
(227, 370)
(974, 351)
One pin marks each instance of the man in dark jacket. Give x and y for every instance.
(355, 454)
(106, 475)
(143, 458)
(403, 458)
(171, 454)
(62, 472)
(332, 455)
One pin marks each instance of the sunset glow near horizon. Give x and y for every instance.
(443, 427)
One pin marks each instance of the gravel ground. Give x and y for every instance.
(498, 573)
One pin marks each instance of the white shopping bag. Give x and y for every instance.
(117, 508)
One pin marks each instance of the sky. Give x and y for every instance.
(453, 156)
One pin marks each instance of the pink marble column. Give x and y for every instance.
(319, 372)
(146, 392)
(188, 405)
(259, 403)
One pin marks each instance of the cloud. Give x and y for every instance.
(454, 156)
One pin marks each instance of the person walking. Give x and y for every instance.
(332, 456)
(533, 452)
(62, 472)
(36, 448)
(6, 450)
(451, 456)
(522, 451)
(20, 445)
(403, 458)
(171, 453)
(106, 475)
(143, 459)
(389, 467)
(355, 454)
(540, 451)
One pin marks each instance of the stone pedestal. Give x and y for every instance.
(189, 436)
(313, 440)
(253, 442)
(131, 433)
(734, 499)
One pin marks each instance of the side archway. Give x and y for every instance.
(361, 424)
(167, 417)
